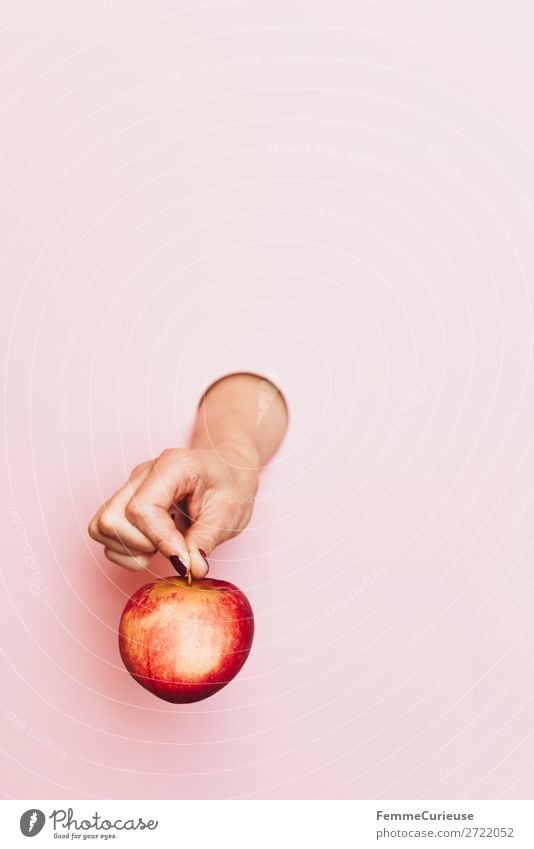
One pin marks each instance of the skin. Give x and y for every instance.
(191, 499)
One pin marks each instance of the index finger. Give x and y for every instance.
(149, 507)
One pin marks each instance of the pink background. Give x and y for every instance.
(341, 194)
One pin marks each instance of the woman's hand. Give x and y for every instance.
(189, 500)
(183, 504)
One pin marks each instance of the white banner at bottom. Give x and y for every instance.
(268, 824)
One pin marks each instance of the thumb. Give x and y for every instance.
(201, 538)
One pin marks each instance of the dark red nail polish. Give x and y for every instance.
(204, 557)
(178, 565)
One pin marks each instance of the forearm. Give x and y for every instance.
(242, 414)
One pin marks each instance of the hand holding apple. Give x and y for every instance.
(189, 500)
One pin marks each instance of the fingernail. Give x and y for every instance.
(204, 557)
(178, 565)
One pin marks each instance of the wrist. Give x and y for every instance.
(242, 461)
(239, 451)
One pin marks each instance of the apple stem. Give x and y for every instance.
(189, 578)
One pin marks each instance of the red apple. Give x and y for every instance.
(184, 642)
